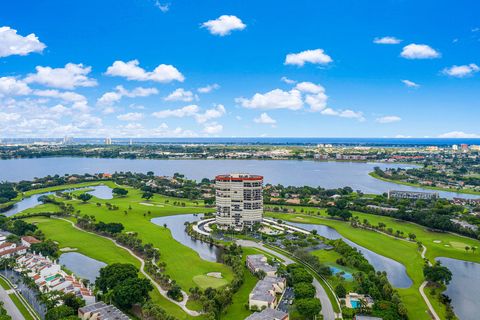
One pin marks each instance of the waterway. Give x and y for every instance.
(82, 266)
(396, 272)
(286, 172)
(101, 192)
(464, 287)
(176, 224)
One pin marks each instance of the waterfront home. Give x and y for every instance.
(268, 314)
(101, 311)
(9, 250)
(49, 276)
(258, 262)
(266, 292)
(355, 300)
(27, 241)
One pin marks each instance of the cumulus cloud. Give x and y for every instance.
(186, 111)
(419, 51)
(264, 118)
(287, 80)
(108, 98)
(69, 77)
(317, 56)
(68, 96)
(459, 134)
(275, 99)
(316, 97)
(309, 87)
(209, 88)
(131, 116)
(410, 84)
(180, 94)
(224, 25)
(7, 117)
(12, 43)
(216, 112)
(388, 119)
(132, 71)
(213, 128)
(10, 86)
(387, 40)
(344, 113)
(461, 71)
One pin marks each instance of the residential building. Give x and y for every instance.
(27, 241)
(356, 300)
(9, 250)
(239, 200)
(412, 195)
(268, 314)
(258, 262)
(264, 294)
(49, 276)
(101, 311)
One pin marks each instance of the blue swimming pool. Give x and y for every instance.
(355, 304)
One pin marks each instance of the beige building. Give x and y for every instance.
(239, 200)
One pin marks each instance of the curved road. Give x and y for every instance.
(8, 304)
(182, 304)
(320, 293)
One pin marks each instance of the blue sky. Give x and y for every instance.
(143, 68)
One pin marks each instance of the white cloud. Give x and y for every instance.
(316, 99)
(317, 56)
(180, 94)
(69, 77)
(410, 84)
(275, 99)
(12, 43)
(209, 88)
(10, 86)
(7, 117)
(186, 111)
(419, 51)
(264, 118)
(164, 7)
(224, 25)
(131, 116)
(213, 128)
(68, 96)
(309, 87)
(388, 119)
(216, 112)
(131, 71)
(287, 80)
(387, 40)
(459, 134)
(344, 113)
(461, 71)
(108, 98)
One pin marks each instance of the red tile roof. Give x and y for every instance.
(30, 239)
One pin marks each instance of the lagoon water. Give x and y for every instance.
(396, 272)
(81, 265)
(286, 172)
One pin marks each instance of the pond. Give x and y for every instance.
(396, 272)
(464, 287)
(286, 172)
(101, 192)
(82, 266)
(176, 224)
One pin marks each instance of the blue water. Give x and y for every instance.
(82, 266)
(355, 304)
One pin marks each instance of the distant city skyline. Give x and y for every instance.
(146, 68)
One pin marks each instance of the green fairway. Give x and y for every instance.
(203, 281)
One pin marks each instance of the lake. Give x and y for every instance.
(396, 272)
(464, 287)
(176, 224)
(81, 265)
(286, 172)
(101, 192)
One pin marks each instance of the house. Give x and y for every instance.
(27, 241)
(355, 300)
(268, 314)
(101, 311)
(264, 294)
(258, 262)
(8, 250)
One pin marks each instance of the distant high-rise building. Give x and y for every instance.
(108, 141)
(464, 147)
(455, 147)
(239, 200)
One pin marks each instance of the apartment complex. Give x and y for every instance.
(101, 311)
(396, 194)
(239, 200)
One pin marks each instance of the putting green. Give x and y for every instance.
(204, 281)
(458, 245)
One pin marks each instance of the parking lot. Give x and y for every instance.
(287, 299)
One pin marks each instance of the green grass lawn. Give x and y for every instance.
(21, 307)
(97, 248)
(203, 281)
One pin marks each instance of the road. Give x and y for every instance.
(422, 287)
(8, 304)
(321, 294)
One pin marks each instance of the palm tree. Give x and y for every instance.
(473, 249)
(467, 248)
